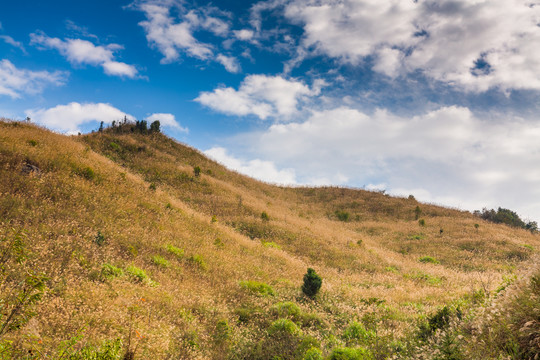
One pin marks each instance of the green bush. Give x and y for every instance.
(99, 239)
(313, 354)
(179, 253)
(422, 222)
(350, 354)
(109, 271)
(136, 274)
(264, 216)
(342, 215)
(258, 288)
(312, 283)
(356, 334)
(428, 259)
(160, 261)
(199, 261)
(284, 327)
(223, 331)
(286, 309)
(197, 171)
(86, 172)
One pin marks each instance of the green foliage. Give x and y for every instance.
(85, 172)
(342, 215)
(422, 222)
(435, 322)
(356, 334)
(286, 309)
(136, 274)
(271, 244)
(109, 350)
(264, 216)
(160, 261)
(199, 261)
(152, 186)
(508, 217)
(179, 253)
(313, 354)
(258, 288)
(350, 354)
(312, 283)
(417, 212)
(109, 271)
(223, 331)
(428, 259)
(115, 146)
(282, 327)
(196, 171)
(32, 142)
(99, 239)
(155, 126)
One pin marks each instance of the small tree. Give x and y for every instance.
(155, 126)
(417, 212)
(312, 283)
(197, 171)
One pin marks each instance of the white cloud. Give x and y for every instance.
(14, 82)
(167, 120)
(9, 40)
(260, 95)
(79, 51)
(230, 63)
(450, 152)
(244, 34)
(259, 169)
(68, 118)
(476, 45)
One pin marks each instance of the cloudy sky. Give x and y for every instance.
(435, 98)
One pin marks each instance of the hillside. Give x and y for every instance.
(112, 241)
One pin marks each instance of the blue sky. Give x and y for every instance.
(435, 98)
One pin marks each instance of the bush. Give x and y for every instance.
(342, 215)
(428, 259)
(136, 274)
(99, 239)
(264, 216)
(197, 171)
(286, 309)
(258, 288)
(356, 334)
(313, 354)
(312, 283)
(282, 327)
(160, 261)
(179, 253)
(422, 222)
(199, 261)
(350, 354)
(109, 271)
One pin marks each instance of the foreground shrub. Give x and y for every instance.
(179, 253)
(136, 274)
(282, 327)
(312, 283)
(356, 334)
(109, 271)
(160, 261)
(428, 260)
(286, 309)
(258, 288)
(350, 354)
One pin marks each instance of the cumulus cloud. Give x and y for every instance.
(14, 82)
(465, 160)
(79, 51)
(476, 45)
(259, 169)
(230, 63)
(167, 120)
(244, 34)
(260, 95)
(68, 118)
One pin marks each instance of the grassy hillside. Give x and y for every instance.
(112, 243)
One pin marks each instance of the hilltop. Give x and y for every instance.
(130, 244)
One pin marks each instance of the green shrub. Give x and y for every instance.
(350, 354)
(199, 261)
(160, 261)
(356, 334)
(271, 244)
(258, 288)
(86, 172)
(313, 354)
(114, 146)
(152, 186)
(342, 215)
(99, 239)
(282, 327)
(264, 216)
(312, 283)
(109, 271)
(286, 309)
(428, 259)
(223, 331)
(437, 321)
(422, 222)
(197, 171)
(136, 274)
(179, 253)
(32, 142)
(417, 212)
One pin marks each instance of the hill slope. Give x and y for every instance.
(111, 239)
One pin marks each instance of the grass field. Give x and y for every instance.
(113, 245)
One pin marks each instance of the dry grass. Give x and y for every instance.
(88, 186)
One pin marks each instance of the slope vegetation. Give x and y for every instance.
(130, 245)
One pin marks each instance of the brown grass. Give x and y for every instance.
(173, 314)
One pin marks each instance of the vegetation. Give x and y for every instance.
(95, 265)
(312, 283)
(508, 217)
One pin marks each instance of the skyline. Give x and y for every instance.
(438, 99)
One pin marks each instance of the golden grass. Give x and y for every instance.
(369, 264)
